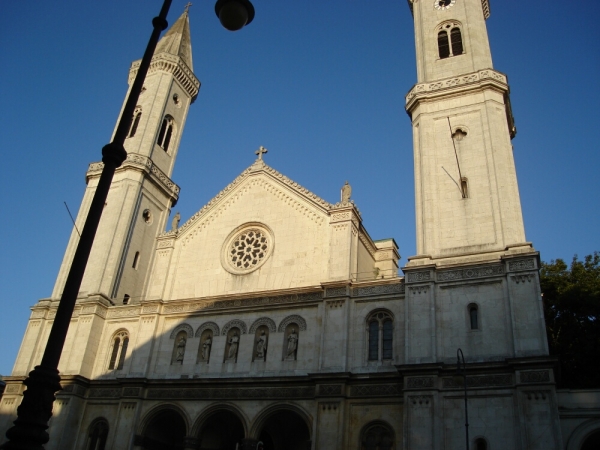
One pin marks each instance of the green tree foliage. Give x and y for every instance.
(571, 298)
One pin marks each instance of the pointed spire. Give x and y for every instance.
(177, 41)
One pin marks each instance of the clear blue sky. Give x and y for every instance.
(320, 84)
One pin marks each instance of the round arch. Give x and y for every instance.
(283, 422)
(380, 432)
(581, 433)
(214, 408)
(164, 427)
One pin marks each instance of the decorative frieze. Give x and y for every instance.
(466, 274)
(480, 381)
(376, 390)
(104, 393)
(165, 243)
(150, 309)
(13, 389)
(259, 393)
(417, 277)
(396, 288)
(330, 390)
(119, 311)
(535, 376)
(419, 383)
(336, 292)
(38, 314)
(131, 392)
(522, 264)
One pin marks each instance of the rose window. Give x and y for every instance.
(247, 249)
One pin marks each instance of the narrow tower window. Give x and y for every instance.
(443, 44)
(126, 298)
(373, 340)
(119, 350)
(97, 435)
(457, 44)
(380, 336)
(464, 186)
(137, 115)
(136, 260)
(166, 133)
(474, 317)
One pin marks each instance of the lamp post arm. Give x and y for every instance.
(34, 412)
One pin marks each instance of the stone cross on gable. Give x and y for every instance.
(187, 7)
(260, 152)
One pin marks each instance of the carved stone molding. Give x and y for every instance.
(150, 309)
(418, 277)
(329, 406)
(38, 314)
(376, 390)
(132, 392)
(235, 323)
(397, 288)
(463, 80)
(330, 390)
(336, 292)
(480, 381)
(233, 393)
(104, 393)
(173, 64)
(522, 264)
(208, 326)
(298, 320)
(263, 321)
(166, 243)
(418, 289)
(419, 383)
(202, 305)
(537, 395)
(420, 400)
(182, 327)
(535, 376)
(466, 274)
(336, 303)
(525, 278)
(120, 311)
(147, 165)
(12, 389)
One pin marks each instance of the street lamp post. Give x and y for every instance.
(34, 412)
(461, 373)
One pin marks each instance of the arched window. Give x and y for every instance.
(449, 39)
(126, 298)
(481, 444)
(456, 39)
(443, 44)
(166, 133)
(98, 433)
(137, 115)
(377, 436)
(119, 350)
(474, 316)
(380, 332)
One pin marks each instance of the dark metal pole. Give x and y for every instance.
(29, 430)
(464, 374)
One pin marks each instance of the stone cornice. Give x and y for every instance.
(174, 65)
(485, 4)
(257, 167)
(142, 163)
(453, 85)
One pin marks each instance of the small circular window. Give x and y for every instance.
(247, 248)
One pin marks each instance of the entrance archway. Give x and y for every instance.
(165, 431)
(222, 430)
(592, 442)
(284, 429)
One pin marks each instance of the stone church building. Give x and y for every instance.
(271, 315)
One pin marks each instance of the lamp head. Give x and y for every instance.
(234, 14)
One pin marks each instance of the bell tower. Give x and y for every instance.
(467, 197)
(142, 192)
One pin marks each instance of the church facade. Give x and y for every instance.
(271, 316)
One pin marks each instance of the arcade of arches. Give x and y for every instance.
(224, 429)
